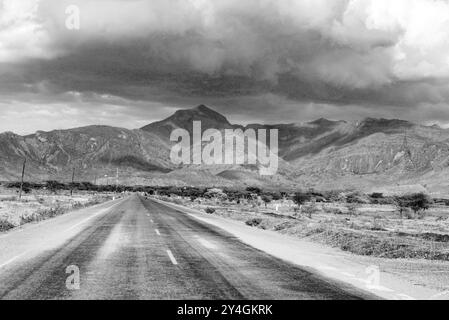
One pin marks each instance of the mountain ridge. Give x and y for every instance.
(320, 153)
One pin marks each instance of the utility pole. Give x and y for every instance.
(73, 179)
(116, 182)
(21, 181)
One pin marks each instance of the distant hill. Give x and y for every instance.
(369, 154)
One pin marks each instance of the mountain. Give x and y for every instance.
(371, 154)
(184, 119)
(95, 151)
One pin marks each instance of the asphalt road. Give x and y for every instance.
(140, 249)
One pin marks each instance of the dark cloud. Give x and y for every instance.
(265, 60)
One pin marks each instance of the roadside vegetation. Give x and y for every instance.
(408, 226)
(42, 203)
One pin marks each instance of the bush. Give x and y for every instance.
(357, 197)
(309, 210)
(283, 226)
(300, 198)
(254, 190)
(352, 209)
(28, 219)
(267, 199)
(5, 225)
(335, 211)
(254, 222)
(210, 210)
(377, 195)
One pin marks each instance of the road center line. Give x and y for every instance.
(157, 232)
(172, 258)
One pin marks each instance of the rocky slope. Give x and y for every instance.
(370, 154)
(94, 151)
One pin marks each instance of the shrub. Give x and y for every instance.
(255, 190)
(216, 193)
(254, 222)
(300, 198)
(309, 210)
(276, 196)
(177, 201)
(330, 210)
(28, 219)
(283, 226)
(5, 225)
(352, 209)
(356, 197)
(210, 210)
(267, 199)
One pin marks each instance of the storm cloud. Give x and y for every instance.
(264, 60)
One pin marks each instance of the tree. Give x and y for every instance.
(276, 196)
(418, 202)
(401, 205)
(255, 190)
(267, 199)
(300, 198)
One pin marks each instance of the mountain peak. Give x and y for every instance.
(203, 108)
(210, 119)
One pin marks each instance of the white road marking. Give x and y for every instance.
(172, 258)
(157, 232)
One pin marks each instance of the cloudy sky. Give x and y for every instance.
(134, 61)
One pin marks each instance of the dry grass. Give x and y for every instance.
(41, 206)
